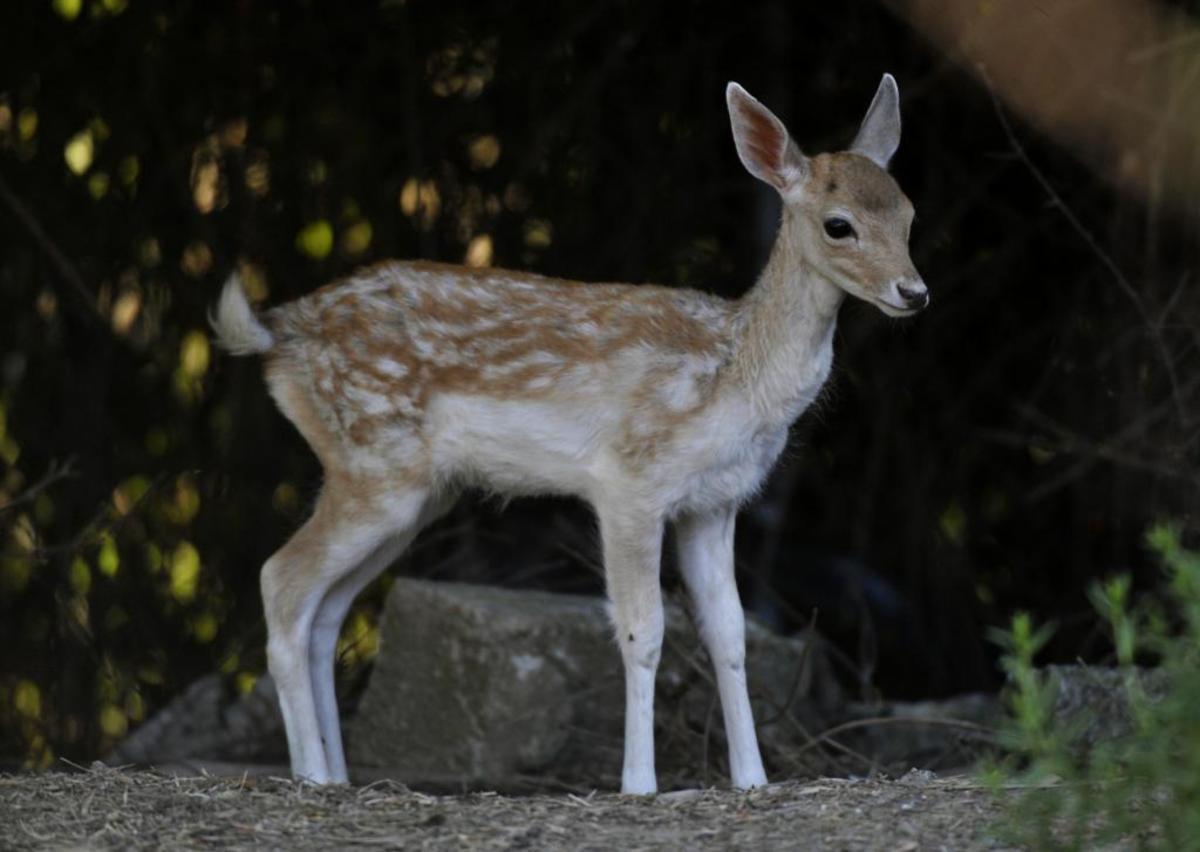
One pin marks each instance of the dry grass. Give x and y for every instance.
(107, 808)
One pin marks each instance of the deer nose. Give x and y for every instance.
(915, 294)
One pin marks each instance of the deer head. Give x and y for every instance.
(844, 215)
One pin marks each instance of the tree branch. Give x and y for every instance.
(66, 270)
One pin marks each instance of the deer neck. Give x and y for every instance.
(784, 332)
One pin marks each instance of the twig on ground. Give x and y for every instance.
(982, 731)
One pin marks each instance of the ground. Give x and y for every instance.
(119, 809)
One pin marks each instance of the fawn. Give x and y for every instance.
(414, 381)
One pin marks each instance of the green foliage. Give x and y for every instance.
(1143, 787)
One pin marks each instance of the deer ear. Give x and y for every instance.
(879, 136)
(763, 143)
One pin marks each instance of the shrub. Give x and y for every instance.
(1139, 788)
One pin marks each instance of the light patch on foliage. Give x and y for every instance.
(68, 9)
(27, 699)
(113, 721)
(81, 576)
(316, 239)
(108, 561)
(79, 152)
(185, 572)
(479, 251)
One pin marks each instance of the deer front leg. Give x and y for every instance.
(632, 548)
(705, 545)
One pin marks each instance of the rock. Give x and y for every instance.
(486, 683)
(210, 721)
(1093, 701)
(946, 733)
(917, 778)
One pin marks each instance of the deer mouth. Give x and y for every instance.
(894, 310)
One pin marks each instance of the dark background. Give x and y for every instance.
(998, 452)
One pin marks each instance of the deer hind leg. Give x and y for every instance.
(327, 625)
(632, 549)
(340, 537)
(705, 545)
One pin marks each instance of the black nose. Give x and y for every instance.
(915, 298)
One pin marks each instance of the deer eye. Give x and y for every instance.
(838, 228)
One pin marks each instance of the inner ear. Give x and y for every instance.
(879, 135)
(763, 143)
(795, 165)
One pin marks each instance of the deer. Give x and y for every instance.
(661, 407)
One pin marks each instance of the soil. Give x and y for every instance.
(105, 808)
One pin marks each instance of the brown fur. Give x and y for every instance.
(342, 334)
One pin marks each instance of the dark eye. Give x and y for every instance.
(838, 229)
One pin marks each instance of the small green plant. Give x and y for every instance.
(1140, 788)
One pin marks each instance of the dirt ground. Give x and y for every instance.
(118, 809)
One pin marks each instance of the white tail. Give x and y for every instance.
(413, 381)
(238, 330)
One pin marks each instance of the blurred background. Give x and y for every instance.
(996, 453)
